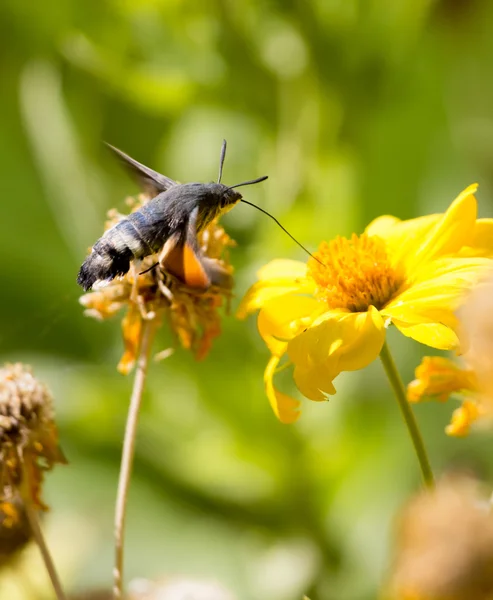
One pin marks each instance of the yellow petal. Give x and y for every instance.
(451, 268)
(319, 341)
(462, 419)
(132, 330)
(365, 346)
(282, 318)
(382, 226)
(453, 231)
(435, 335)
(277, 278)
(439, 377)
(314, 383)
(337, 342)
(403, 237)
(482, 240)
(440, 292)
(285, 408)
(282, 268)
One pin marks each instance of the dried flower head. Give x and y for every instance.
(148, 292)
(444, 546)
(28, 436)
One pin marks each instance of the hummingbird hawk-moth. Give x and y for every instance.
(168, 224)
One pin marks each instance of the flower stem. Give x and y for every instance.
(412, 426)
(128, 455)
(32, 517)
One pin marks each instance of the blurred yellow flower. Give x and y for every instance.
(476, 332)
(330, 314)
(438, 378)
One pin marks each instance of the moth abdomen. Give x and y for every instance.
(112, 253)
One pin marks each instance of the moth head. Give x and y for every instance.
(229, 197)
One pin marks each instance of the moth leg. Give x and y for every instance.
(156, 264)
(165, 291)
(144, 313)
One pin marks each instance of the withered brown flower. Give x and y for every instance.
(150, 293)
(15, 531)
(28, 438)
(444, 546)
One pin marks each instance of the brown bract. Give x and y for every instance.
(444, 546)
(28, 438)
(155, 295)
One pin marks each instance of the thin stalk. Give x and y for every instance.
(32, 517)
(409, 418)
(128, 455)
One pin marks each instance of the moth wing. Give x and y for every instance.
(218, 275)
(151, 181)
(181, 256)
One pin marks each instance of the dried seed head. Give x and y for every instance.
(155, 295)
(28, 434)
(444, 545)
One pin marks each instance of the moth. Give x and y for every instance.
(168, 224)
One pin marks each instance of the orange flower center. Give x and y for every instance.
(355, 274)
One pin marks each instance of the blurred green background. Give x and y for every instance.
(354, 109)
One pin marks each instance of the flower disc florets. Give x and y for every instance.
(28, 434)
(150, 293)
(354, 274)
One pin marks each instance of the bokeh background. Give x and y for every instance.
(354, 109)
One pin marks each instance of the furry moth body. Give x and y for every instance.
(168, 224)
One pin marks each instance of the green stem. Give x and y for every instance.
(407, 413)
(128, 455)
(32, 517)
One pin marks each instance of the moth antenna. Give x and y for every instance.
(221, 161)
(251, 182)
(283, 228)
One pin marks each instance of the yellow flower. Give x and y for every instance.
(330, 315)
(152, 294)
(438, 378)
